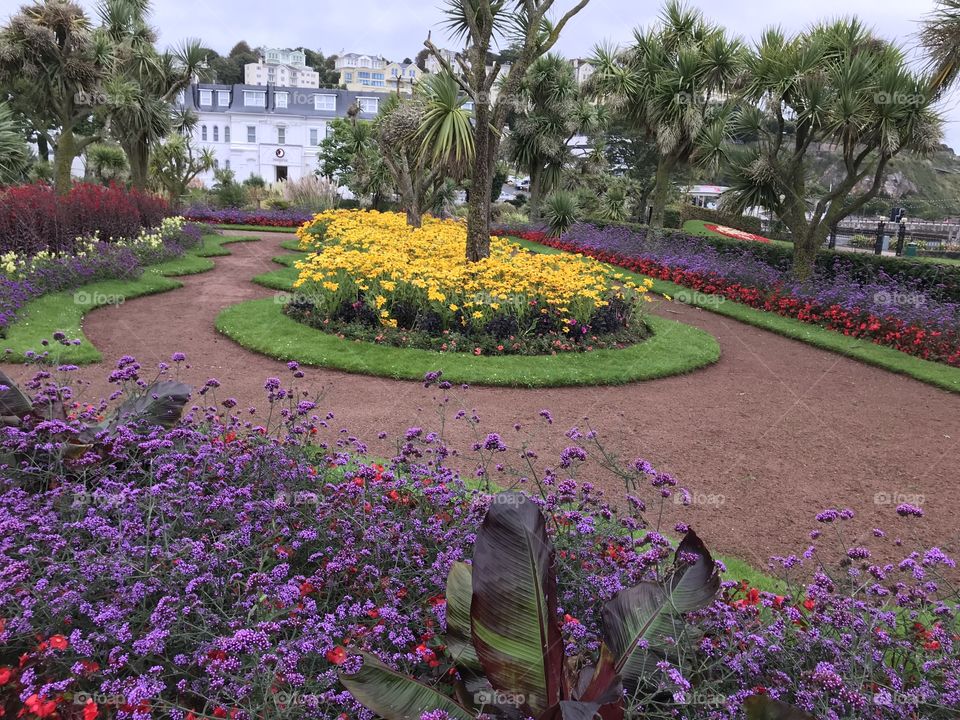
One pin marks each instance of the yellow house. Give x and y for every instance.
(359, 72)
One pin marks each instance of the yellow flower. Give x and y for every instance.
(381, 301)
(331, 286)
(477, 314)
(453, 308)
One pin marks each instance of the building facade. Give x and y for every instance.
(286, 68)
(274, 132)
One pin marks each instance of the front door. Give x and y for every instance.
(281, 173)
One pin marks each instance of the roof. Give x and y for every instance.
(299, 100)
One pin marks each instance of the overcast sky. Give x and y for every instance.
(397, 29)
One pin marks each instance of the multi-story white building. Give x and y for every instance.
(582, 70)
(287, 68)
(273, 132)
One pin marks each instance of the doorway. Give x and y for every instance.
(281, 173)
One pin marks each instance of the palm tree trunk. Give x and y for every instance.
(63, 161)
(536, 194)
(661, 190)
(138, 156)
(806, 244)
(481, 185)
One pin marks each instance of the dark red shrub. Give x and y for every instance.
(35, 218)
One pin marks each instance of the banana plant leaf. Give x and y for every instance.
(459, 595)
(13, 403)
(763, 707)
(395, 696)
(514, 608)
(651, 614)
(160, 404)
(601, 685)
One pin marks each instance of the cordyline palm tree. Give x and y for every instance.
(941, 36)
(836, 86)
(424, 140)
(666, 87)
(480, 23)
(14, 153)
(50, 46)
(175, 163)
(143, 83)
(550, 112)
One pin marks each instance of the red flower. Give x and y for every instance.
(219, 712)
(809, 603)
(59, 642)
(90, 710)
(306, 588)
(338, 656)
(6, 674)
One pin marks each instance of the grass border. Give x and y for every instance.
(925, 371)
(674, 349)
(64, 311)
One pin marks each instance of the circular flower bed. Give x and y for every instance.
(372, 277)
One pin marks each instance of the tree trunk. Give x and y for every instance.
(481, 185)
(536, 195)
(414, 212)
(43, 149)
(661, 190)
(806, 244)
(63, 160)
(138, 156)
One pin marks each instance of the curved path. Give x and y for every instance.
(776, 431)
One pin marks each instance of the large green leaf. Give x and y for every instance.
(13, 403)
(160, 404)
(763, 707)
(458, 638)
(514, 607)
(651, 614)
(394, 696)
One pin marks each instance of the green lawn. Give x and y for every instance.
(64, 311)
(932, 373)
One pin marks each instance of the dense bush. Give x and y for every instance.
(34, 218)
(232, 565)
(260, 218)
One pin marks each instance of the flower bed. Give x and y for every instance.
(892, 310)
(223, 566)
(27, 277)
(262, 218)
(33, 218)
(736, 234)
(373, 277)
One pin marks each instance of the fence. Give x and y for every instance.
(905, 238)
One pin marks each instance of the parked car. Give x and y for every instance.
(523, 184)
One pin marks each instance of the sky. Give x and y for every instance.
(397, 29)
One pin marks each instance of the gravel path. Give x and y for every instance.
(774, 432)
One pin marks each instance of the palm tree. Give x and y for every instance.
(175, 163)
(480, 23)
(551, 112)
(941, 36)
(50, 46)
(666, 86)
(143, 82)
(836, 85)
(14, 153)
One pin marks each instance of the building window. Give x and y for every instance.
(216, 133)
(251, 133)
(227, 164)
(348, 77)
(282, 99)
(206, 97)
(468, 106)
(253, 98)
(203, 132)
(216, 163)
(281, 136)
(226, 133)
(223, 98)
(314, 137)
(369, 105)
(325, 102)
(394, 72)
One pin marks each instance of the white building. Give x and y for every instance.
(273, 132)
(582, 70)
(286, 68)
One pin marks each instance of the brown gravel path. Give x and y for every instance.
(777, 428)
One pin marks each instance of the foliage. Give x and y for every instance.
(15, 156)
(260, 218)
(312, 193)
(107, 163)
(176, 163)
(349, 157)
(227, 192)
(664, 87)
(841, 85)
(445, 133)
(34, 218)
(562, 212)
(747, 223)
(371, 270)
(528, 29)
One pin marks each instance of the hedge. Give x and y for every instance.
(740, 222)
